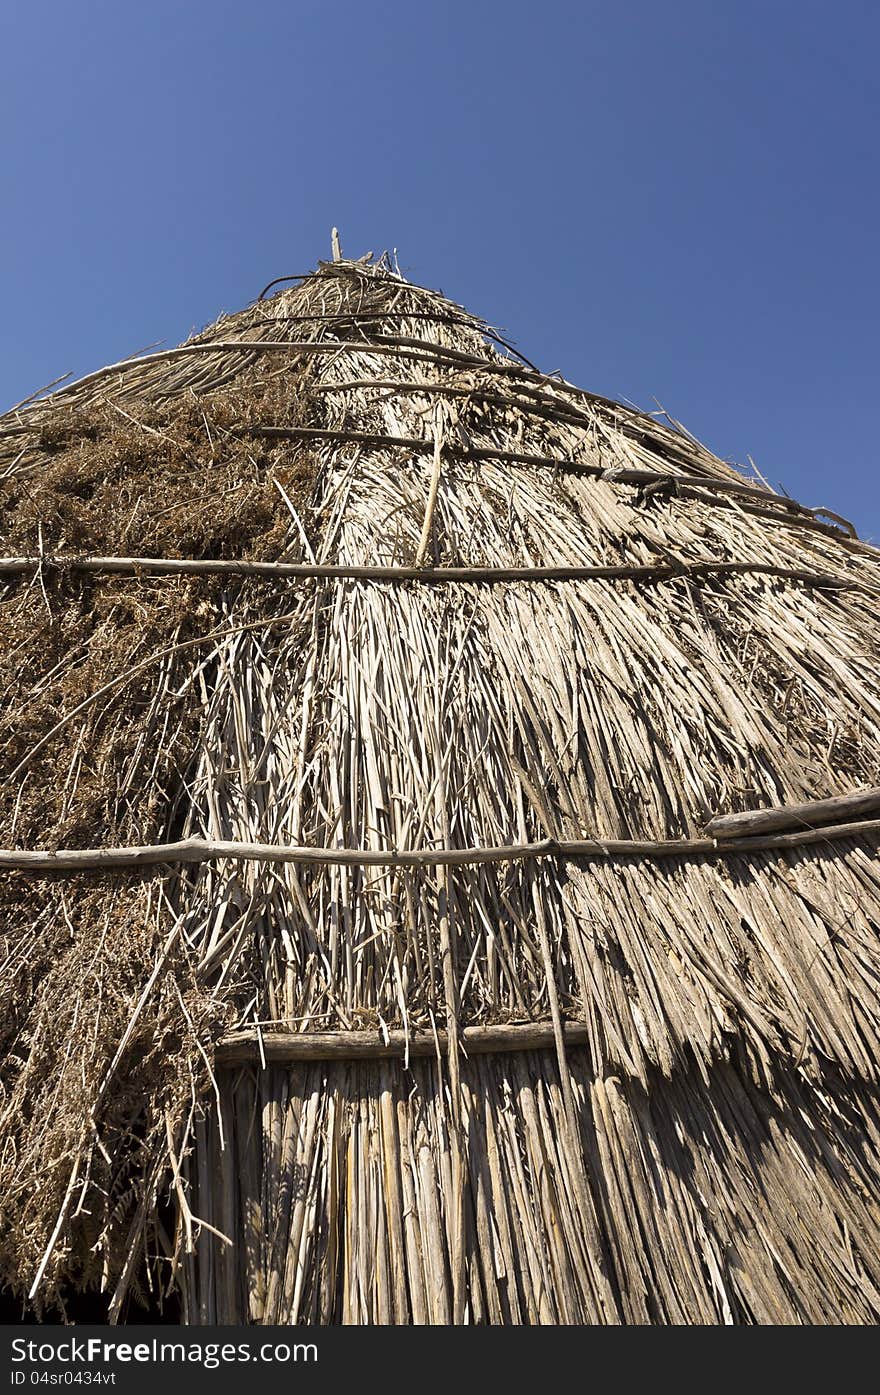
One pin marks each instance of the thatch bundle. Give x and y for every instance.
(369, 951)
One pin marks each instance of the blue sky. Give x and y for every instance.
(675, 201)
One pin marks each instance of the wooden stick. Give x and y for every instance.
(187, 566)
(295, 346)
(426, 350)
(354, 316)
(423, 350)
(617, 474)
(653, 479)
(406, 347)
(195, 850)
(433, 489)
(243, 1047)
(322, 433)
(795, 816)
(656, 479)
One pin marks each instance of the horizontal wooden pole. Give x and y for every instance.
(616, 474)
(195, 850)
(656, 480)
(202, 850)
(620, 474)
(250, 1047)
(186, 566)
(427, 350)
(322, 433)
(795, 816)
(424, 350)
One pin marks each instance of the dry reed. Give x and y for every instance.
(709, 1153)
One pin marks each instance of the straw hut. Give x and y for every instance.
(440, 813)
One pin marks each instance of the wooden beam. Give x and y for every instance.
(814, 814)
(250, 1047)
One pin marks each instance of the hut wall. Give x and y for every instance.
(686, 1201)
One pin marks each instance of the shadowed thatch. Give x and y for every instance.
(444, 1005)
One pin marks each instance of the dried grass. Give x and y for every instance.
(711, 1154)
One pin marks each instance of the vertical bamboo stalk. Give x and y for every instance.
(449, 956)
(229, 1282)
(416, 1262)
(392, 1164)
(207, 1307)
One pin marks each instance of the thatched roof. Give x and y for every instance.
(370, 953)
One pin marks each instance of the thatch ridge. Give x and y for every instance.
(707, 1149)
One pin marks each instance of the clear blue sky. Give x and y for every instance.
(674, 200)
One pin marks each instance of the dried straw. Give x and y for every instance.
(500, 633)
